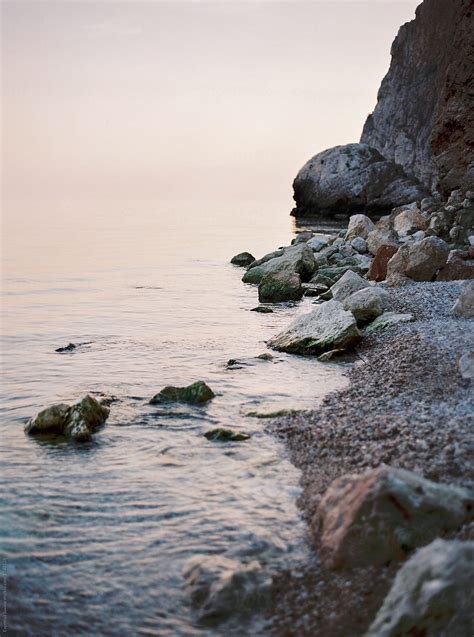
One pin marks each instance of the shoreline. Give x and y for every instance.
(405, 406)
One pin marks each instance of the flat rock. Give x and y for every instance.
(381, 515)
(327, 327)
(431, 594)
(196, 394)
(388, 319)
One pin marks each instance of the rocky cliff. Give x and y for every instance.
(424, 117)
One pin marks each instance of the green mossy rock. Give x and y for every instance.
(226, 435)
(195, 394)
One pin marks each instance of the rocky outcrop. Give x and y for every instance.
(77, 422)
(352, 178)
(379, 516)
(431, 594)
(424, 118)
(327, 327)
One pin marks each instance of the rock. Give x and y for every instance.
(266, 356)
(349, 283)
(327, 356)
(464, 306)
(319, 279)
(424, 119)
(220, 587)
(263, 309)
(378, 267)
(388, 319)
(417, 261)
(279, 413)
(359, 226)
(78, 422)
(351, 178)
(408, 222)
(367, 304)
(298, 259)
(419, 235)
(359, 244)
(196, 394)
(302, 237)
(327, 327)
(226, 435)
(381, 515)
(317, 243)
(68, 348)
(456, 269)
(466, 365)
(383, 234)
(243, 259)
(431, 595)
(311, 289)
(334, 273)
(280, 285)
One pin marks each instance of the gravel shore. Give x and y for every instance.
(406, 406)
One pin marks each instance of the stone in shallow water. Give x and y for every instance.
(226, 435)
(282, 285)
(196, 394)
(220, 587)
(298, 259)
(327, 327)
(68, 348)
(243, 259)
(263, 309)
(431, 594)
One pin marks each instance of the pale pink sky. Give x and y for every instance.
(184, 100)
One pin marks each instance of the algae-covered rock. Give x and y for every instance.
(280, 285)
(226, 435)
(196, 394)
(327, 327)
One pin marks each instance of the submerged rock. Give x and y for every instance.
(327, 327)
(78, 422)
(220, 587)
(68, 348)
(262, 309)
(381, 515)
(431, 594)
(351, 178)
(243, 259)
(226, 435)
(196, 394)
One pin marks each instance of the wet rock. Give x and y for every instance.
(243, 259)
(378, 267)
(78, 422)
(464, 306)
(266, 356)
(381, 515)
(327, 327)
(466, 365)
(226, 435)
(359, 227)
(298, 259)
(263, 309)
(388, 319)
(359, 244)
(417, 261)
(220, 587)
(197, 394)
(409, 221)
(68, 348)
(351, 178)
(431, 594)
(349, 283)
(367, 304)
(456, 269)
(280, 285)
(278, 413)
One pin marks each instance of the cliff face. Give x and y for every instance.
(424, 117)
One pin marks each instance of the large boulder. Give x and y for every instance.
(381, 515)
(281, 285)
(298, 259)
(77, 422)
(418, 261)
(359, 226)
(431, 595)
(378, 267)
(352, 178)
(349, 283)
(195, 394)
(367, 304)
(220, 587)
(464, 306)
(327, 327)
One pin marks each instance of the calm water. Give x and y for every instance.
(96, 535)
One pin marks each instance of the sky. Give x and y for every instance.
(183, 100)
